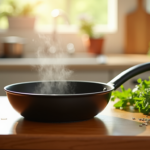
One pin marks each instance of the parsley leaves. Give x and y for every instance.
(139, 97)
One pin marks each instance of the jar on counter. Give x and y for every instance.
(12, 47)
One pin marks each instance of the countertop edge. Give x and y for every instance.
(115, 61)
(71, 142)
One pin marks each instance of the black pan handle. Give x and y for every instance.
(129, 73)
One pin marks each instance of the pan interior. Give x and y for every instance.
(76, 87)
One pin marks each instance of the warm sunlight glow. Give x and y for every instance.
(55, 13)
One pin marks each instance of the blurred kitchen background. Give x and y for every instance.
(100, 38)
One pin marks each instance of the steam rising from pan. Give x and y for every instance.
(51, 51)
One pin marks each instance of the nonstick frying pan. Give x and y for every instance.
(88, 99)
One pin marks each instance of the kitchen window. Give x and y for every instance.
(102, 12)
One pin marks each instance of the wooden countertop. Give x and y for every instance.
(111, 129)
(115, 61)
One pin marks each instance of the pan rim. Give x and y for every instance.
(59, 95)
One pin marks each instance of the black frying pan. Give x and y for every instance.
(88, 99)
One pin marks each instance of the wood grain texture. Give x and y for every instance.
(137, 31)
(75, 143)
(111, 129)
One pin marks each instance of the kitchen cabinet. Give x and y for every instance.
(98, 76)
(87, 69)
(10, 77)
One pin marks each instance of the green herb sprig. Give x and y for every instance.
(139, 97)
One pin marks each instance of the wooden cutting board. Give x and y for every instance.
(137, 33)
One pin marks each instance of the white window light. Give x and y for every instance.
(112, 15)
(110, 27)
(147, 6)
